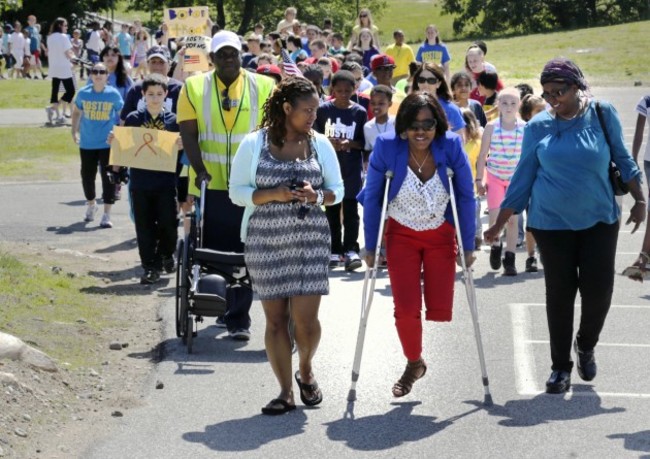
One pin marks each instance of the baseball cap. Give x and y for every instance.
(270, 70)
(158, 51)
(381, 60)
(225, 38)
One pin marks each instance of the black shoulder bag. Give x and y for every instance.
(619, 186)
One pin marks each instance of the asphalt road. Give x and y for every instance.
(210, 404)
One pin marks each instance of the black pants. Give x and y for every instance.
(68, 85)
(350, 226)
(577, 261)
(221, 228)
(154, 213)
(90, 159)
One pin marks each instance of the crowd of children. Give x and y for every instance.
(360, 88)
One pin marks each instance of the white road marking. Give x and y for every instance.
(524, 358)
(541, 341)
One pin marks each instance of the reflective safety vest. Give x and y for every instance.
(218, 144)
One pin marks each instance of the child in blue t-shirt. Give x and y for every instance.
(153, 193)
(96, 109)
(433, 51)
(342, 121)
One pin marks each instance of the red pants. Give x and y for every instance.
(409, 253)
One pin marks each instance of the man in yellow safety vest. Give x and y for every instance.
(215, 111)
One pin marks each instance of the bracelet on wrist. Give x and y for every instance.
(640, 201)
(320, 197)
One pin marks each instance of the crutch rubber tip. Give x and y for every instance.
(488, 400)
(352, 395)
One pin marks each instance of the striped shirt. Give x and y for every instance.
(505, 150)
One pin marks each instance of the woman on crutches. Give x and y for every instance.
(420, 234)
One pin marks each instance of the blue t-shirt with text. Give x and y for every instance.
(100, 112)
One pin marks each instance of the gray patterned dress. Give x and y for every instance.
(287, 256)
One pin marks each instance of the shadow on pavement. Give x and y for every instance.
(638, 441)
(78, 227)
(250, 434)
(545, 408)
(385, 431)
(134, 288)
(129, 244)
(79, 203)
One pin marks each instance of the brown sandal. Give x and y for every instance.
(413, 372)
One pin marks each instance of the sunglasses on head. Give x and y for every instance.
(226, 103)
(431, 80)
(426, 125)
(98, 72)
(555, 94)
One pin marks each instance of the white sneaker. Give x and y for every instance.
(106, 221)
(91, 211)
(352, 261)
(335, 259)
(50, 114)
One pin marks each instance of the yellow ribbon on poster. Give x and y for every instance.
(196, 57)
(192, 20)
(142, 148)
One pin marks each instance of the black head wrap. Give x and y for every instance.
(563, 69)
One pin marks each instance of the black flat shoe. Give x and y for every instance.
(277, 406)
(586, 364)
(559, 382)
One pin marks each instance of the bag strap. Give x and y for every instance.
(599, 112)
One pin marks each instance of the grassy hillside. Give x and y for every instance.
(413, 16)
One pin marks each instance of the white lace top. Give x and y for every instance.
(420, 206)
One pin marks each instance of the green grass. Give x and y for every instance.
(607, 55)
(40, 153)
(24, 93)
(413, 16)
(42, 308)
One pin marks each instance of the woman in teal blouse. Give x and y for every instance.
(563, 179)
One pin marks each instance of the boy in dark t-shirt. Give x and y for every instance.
(342, 120)
(153, 193)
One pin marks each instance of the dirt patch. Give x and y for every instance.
(58, 415)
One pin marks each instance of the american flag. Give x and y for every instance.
(288, 65)
(191, 59)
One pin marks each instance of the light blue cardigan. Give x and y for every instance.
(244, 170)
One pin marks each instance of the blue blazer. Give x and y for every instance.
(392, 153)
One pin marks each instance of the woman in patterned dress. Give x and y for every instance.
(283, 174)
(420, 235)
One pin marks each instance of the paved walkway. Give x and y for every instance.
(23, 116)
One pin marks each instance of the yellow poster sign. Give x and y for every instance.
(143, 148)
(187, 21)
(196, 54)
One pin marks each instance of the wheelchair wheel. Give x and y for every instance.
(180, 273)
(189, 332)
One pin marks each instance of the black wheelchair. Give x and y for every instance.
(203, 279)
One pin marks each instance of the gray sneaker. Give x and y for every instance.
(240, 334)
(106, 221)
(49, 111)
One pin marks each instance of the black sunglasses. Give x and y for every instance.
(426, 125)
(554, 95)
(99, 72)
(432, 80)
(226, 103)
(363, 15)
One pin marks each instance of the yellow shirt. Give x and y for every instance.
(473, 149)
(185, 109)
(403, 56)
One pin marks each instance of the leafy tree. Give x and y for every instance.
(492, 17)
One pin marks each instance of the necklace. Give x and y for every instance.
(514, 144)
(379, 130)
(420, 165)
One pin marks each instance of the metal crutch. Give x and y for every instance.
(366, 298)
(471, 294)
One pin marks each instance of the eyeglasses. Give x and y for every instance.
(426, 125)
(554, 95)
(226, 103)
(384, 68)
(431, 80)
(99, 72)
